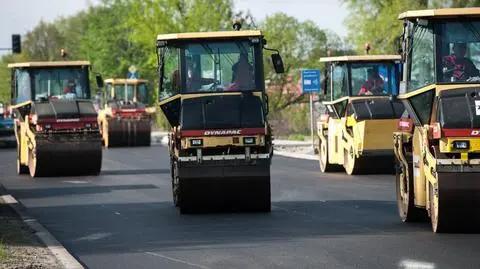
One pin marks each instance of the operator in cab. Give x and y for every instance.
(69, 91)
(458, 67)
(374, 85)
(242, 75)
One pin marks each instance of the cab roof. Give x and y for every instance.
(49, 64)
(356, 58)
(441, 13)
(125, 81)
(209, 35)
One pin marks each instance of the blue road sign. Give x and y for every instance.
(132, 75)
(311, 80)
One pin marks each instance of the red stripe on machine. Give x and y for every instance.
(124, 113)
(68, 123)
(460, 132)
(223, 132)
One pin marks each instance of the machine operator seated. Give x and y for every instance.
(70, 91)
(374, 85)
(457, 67)
(241, 75)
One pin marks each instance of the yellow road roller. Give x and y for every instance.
(212, 91)
(126, 118)
(355, 131)
(55, 121)
(437, 145)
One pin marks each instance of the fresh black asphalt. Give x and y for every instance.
(125, 218)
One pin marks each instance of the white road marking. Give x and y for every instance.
(8, 199)
(76, 181)
(93, 237)
(176, 260)
(413, 264)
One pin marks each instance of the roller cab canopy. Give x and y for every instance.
(133, 90)
(41, 81)
(213, 71)
(361, 78)
(441, 52)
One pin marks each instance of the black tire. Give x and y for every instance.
(185, 201)
(405, 184)
(354, 165)
(21, 169)
(35, 170)
(325, 166)
(176, 193)
(264, 202)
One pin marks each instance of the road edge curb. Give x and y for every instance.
(60, 253)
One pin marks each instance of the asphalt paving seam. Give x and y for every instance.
(55, 247)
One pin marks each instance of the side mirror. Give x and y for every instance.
(398, 44)
(325, 81)
(99, 79)
(277, 63)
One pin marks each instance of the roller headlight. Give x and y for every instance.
(249, 140)
(461, 144)
(196, 142)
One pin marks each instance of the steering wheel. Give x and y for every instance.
(473, 79)
(375, 90)
(214, 87)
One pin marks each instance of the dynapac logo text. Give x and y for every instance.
(222, 132)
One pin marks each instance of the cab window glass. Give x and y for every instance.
(339, 81)
(142, 93)
(460, 51)
(108, 91)
(373, 78)
(61, 83)
(171, 73)
(219, 66)
(422, 71)
(24, 89)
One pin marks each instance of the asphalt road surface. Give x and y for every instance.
(125, 219)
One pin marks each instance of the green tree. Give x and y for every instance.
(456, 3)
(301, 44)
(43, 43)
(376, 22)
(149, 18)
(73, 29)
(172, 16)
(5, 75)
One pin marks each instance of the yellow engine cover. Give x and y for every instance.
(375, 134)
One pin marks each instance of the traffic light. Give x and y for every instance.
(16, 44)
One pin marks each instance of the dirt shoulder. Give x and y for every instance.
(19, 246)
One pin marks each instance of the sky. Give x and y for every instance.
(20, 16)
